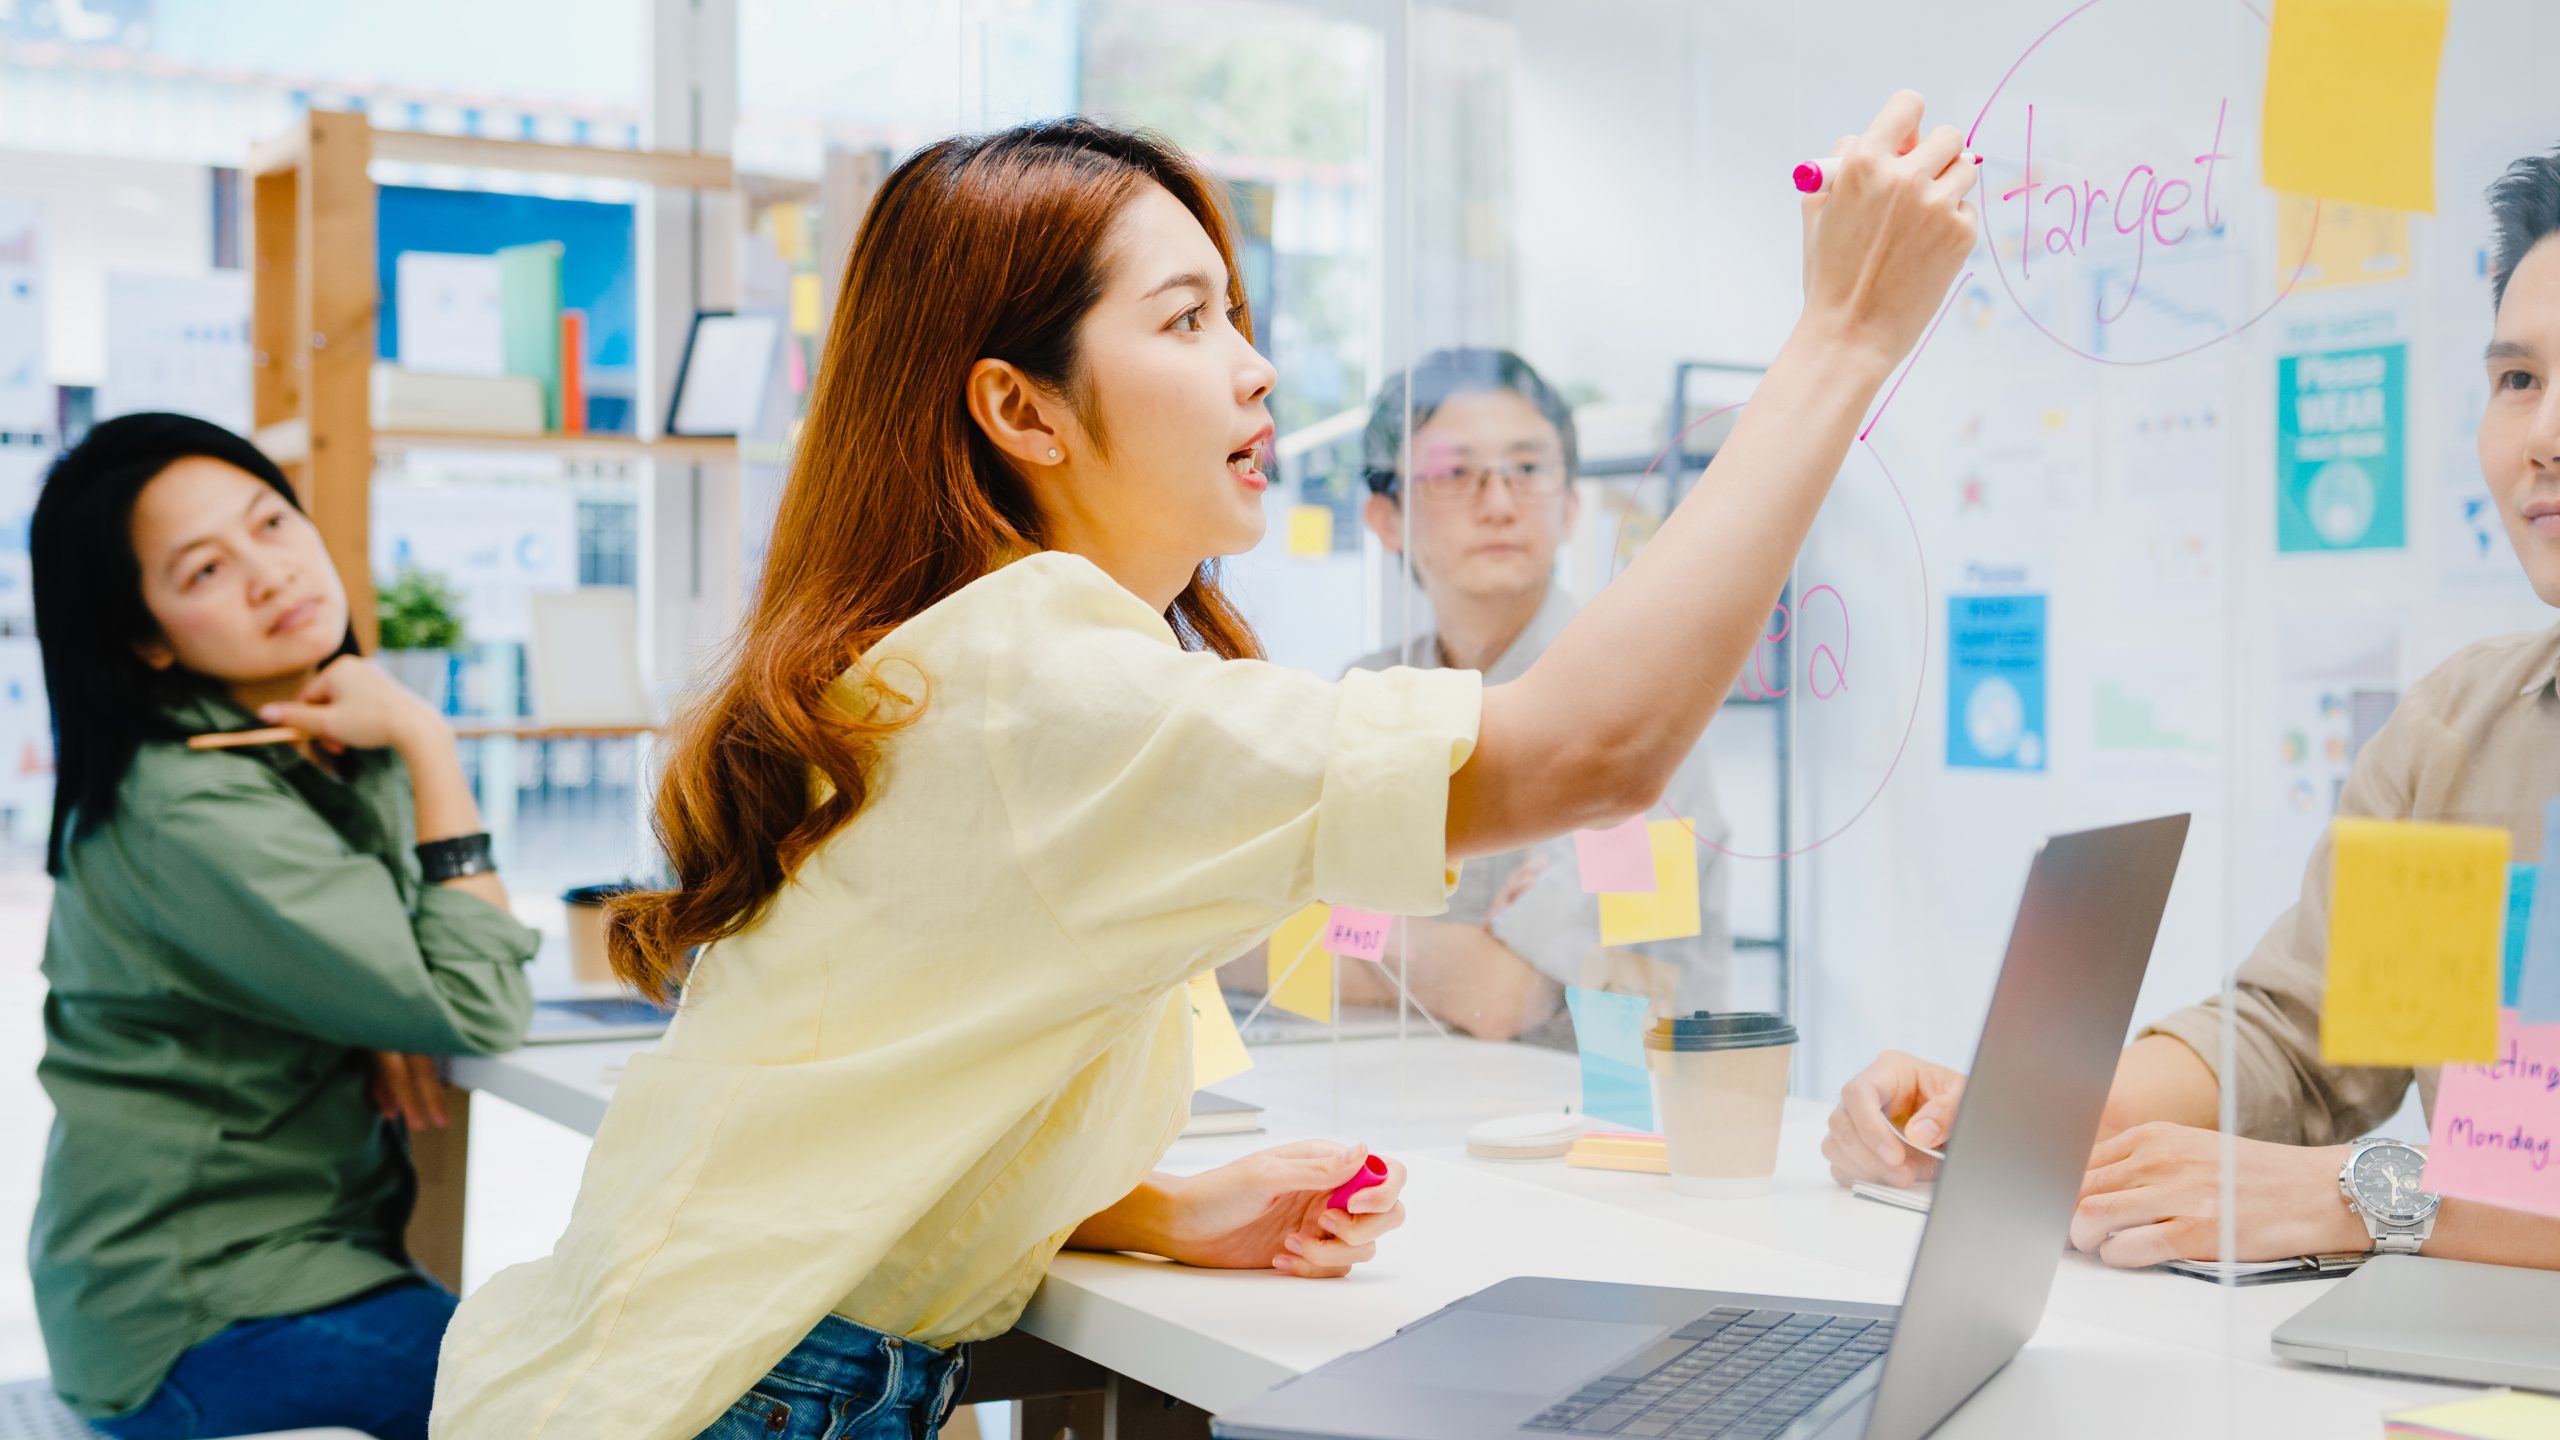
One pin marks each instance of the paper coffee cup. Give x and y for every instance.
(588, 960)
(1719, 1092)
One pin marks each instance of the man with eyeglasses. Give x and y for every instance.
(1488, 500)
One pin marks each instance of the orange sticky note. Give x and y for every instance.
(1310, 530)
(2417, 914)
(1298, 969)
(1670, 912)
(1217, 1051)
(2351, 101)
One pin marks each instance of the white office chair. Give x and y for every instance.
(29, 1411)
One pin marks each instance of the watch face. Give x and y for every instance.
(2387, 1181)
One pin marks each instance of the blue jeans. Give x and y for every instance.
(368, 1364)
(849, 1382)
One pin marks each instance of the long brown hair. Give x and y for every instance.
(976, 247)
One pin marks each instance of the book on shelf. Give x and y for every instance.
(529, 314)
(406, 399)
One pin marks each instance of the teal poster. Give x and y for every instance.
(1995, 682)
(2342, 450)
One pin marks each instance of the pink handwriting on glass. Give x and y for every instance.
(1359, 934)
(2494, 1123)
(1755, 684)
(2162, 196)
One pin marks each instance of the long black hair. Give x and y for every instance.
(90, 614)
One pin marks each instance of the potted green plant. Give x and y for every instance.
(418, 631)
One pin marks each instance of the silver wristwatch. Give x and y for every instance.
(2383, 1181)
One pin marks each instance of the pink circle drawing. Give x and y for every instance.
(1919, 679)
(1983, 208)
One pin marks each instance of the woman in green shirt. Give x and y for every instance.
(251, 950)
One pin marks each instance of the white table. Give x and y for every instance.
(2131, 1355)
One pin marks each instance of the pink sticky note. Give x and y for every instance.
(1615, 861)
(1359, 934)
(2495, 1124)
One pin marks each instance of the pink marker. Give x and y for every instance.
(1815, 176)
(1373, 1171)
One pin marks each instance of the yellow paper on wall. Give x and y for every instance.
(1217, 1051)
(1671, 911)
(2416, 943)
(2322, 245)
(2351, 101)
(805, 297)
(1298, 970)
(1310, 530)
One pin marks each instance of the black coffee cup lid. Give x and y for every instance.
(1727, 1030)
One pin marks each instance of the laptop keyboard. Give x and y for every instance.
(1732, 1374)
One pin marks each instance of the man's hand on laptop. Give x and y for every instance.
(1901, 1091)
(2153, 1193)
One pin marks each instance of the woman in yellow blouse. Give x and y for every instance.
(993, 771)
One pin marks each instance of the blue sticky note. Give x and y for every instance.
(1609, 1031)
(2538, 988)
(2520, 881)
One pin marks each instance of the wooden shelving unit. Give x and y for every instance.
(314, 304)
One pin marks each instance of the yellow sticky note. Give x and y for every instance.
(2351, 101)
(2416, 949)
(1217, 1051)
(1310, 530)
(1671, 911)
(2322, 245)
(2512, 1415)
(791, 233)
(805, 305)
(1298, 970)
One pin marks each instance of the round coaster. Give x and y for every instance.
(1543, 1136)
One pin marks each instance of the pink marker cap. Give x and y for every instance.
(1808, 178)
(1373, 1171)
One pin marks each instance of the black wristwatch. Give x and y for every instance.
(442, 860)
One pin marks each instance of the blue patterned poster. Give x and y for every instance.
(1995, 682)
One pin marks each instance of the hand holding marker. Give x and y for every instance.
(1813, 177)
(1373, 1171)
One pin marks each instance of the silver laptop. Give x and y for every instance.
(2442, 1319)
(1560, 1358)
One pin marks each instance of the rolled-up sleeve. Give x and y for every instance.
(1172, 807)
(2282, 1090)
(279, 919)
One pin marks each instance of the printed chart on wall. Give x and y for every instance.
(178, 342)
(2337, 681)
(26, 399)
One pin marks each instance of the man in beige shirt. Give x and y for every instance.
(1487, 504)
(2477, 742)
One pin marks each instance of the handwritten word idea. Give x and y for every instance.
(1756, 684)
